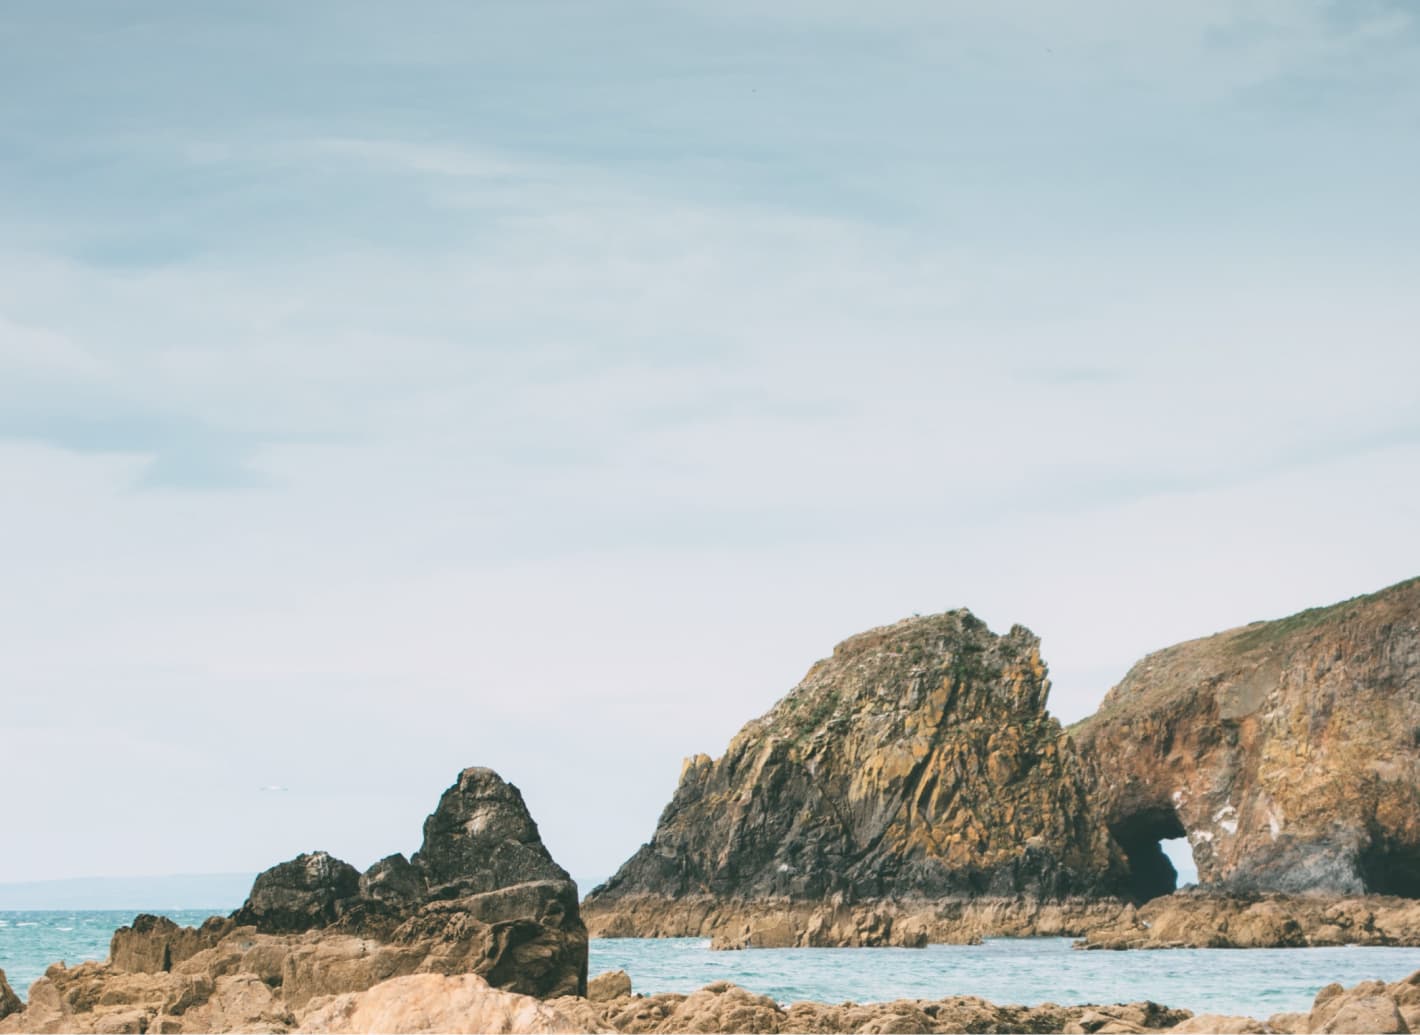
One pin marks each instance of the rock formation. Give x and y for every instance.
(481, 900)
(1199, 920)
(917, 765)
(1288, 753)
(482, 889)
(724, 1007)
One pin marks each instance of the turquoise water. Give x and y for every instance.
(1258, 982)
(31, 941)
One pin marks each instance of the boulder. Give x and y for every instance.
(436, 1003)
(611, 985)
(310, 891)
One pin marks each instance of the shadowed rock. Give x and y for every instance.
(310, 891)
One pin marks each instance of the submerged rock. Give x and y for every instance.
(1287, 752)
(916, 765)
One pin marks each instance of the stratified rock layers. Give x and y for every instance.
(1288, 752)
(917, 763)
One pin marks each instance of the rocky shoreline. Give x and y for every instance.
(913, 789)
(1189, 919)
(232, 987)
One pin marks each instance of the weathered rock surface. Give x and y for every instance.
(482, 898)
(1288, 753)
(436, 1003)
(482, 895)
(1195, 919)
(724, 1007)
(310, 891)
(11, 1003)
(917, 764)
(611, 985)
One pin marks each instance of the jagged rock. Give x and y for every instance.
(10, 1002)
(1288, 753)
(155, 943)
(480, 838)
(917, 764)
(611, 985)
(481, 895)
(310, 891)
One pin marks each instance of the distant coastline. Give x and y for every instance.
(217, 891)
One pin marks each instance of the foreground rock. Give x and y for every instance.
(1287, 752)
(482, 895)
(436, 1003)
(481, 900)
(915, 767)
(724, 1007)
(1209, 921)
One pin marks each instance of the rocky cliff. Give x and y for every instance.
(1287, 752)
(918, 763)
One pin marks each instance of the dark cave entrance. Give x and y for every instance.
(1151, 874)
(1389, 868)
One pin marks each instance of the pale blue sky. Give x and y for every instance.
(387, 390)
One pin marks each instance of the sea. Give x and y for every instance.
(1256, 982)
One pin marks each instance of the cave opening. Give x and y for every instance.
(1141, 836)
(1390, 868)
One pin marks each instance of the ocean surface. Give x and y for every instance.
(1258, 982)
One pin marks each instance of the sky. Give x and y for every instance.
(387, 389)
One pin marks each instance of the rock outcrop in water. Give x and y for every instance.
(915, 768)
(1287, 752)
(913, 789)
(481, 899)
(1201, 920)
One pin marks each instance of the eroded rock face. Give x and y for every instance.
(918, 762)
(481, 895)
(10, 1002)
(1287, 752)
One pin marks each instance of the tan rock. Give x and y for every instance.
(1223, 1024)
(612, 985)
(436, 1003)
